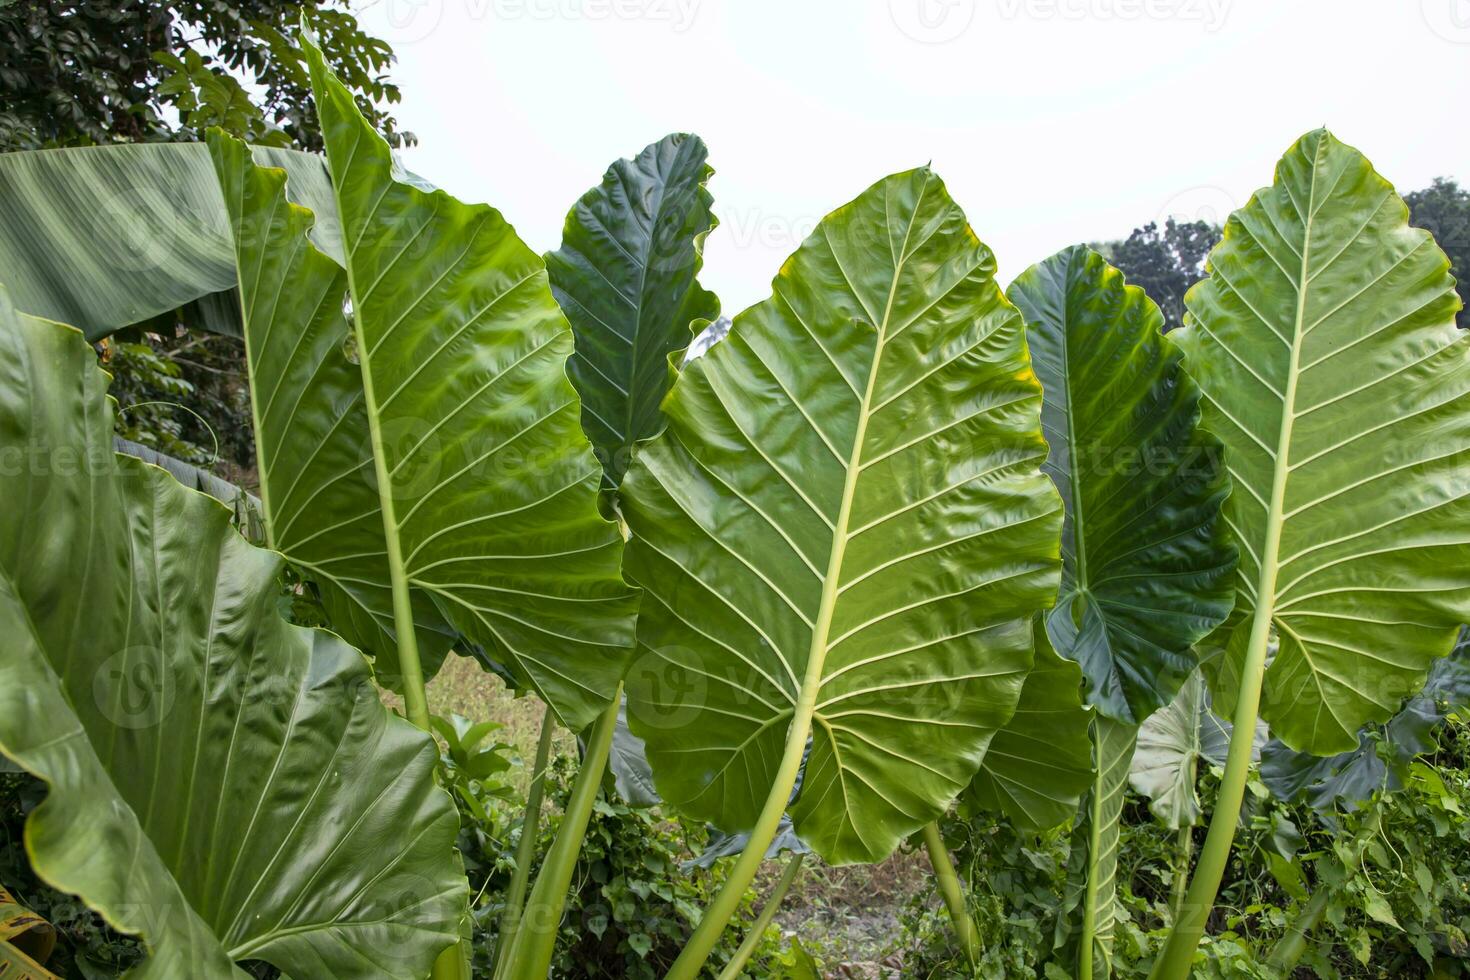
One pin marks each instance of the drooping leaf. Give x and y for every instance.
(723, 845)
(1091, 892)
(1324, 342)
(849, 492)
(1146, 563)
(627, 763)
(1039, 765)
(313, 438)
(107, 236)
(245, 505)
(1384, 753)
(221, 783)
(1171, 743)
(625, 276)
(487, 486)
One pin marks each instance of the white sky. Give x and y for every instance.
(1052, 121)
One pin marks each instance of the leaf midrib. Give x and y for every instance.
(1265, 597)
(821, 632)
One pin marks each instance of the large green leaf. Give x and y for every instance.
(106, 236)
(222, 783)
(1171, 744)
(1090, 906)
(245, 505)
(1324, 341)
(312, 437)
(1381, 760)
(625, 275)
(488, 487)
(1146, 564)
(1039, 766)
(844, 529)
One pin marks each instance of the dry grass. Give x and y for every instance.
(847, 916)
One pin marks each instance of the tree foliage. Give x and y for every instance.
(1165, 262)
(77, 73)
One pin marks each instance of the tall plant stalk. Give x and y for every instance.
(1183, 855)
(952, 892)
(758, 928)
(727, 900)
(535, 940)
(1194, 911)
(515, 898)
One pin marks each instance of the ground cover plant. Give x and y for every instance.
(1010, 577)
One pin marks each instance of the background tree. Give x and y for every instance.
(1443, 209)
(76, 73)
(1165, 263)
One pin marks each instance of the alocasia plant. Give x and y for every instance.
(850, 485)
(103, 237)
(220, 782)
(446, 455)
(1146, 567)
(625, 275)
(1324, 342)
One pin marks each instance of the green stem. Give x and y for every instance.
(1184, 937)
(758, 928)
(535, 941)
(1292, 945)
(515, 898)
(1088, 941)
(951, 890)
(727, 900)
(1194, 911)
(1182, 858)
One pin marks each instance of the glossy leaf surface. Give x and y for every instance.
(487, 484)
(849, 492)
(106, 236)
(1039, 765)
(625, 276)
(1146, 564)
(223, 784)
(1381, 761)
(1171, 743)
(314, 451)
(1324, 341)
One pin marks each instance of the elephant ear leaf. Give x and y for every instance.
(850, 484)
(220, 782)
(312, 435)
(1170, 745)
(487, 486)
(1146, 562)
(1040, 764)
(104, 237)
(625, 275)
(1381, 760)
(1324, 342)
